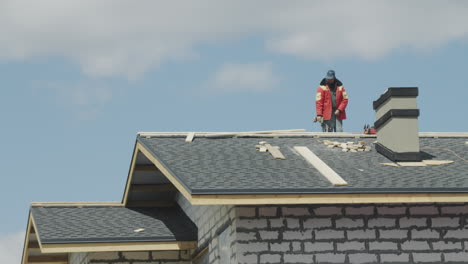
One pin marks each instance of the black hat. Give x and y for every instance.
(330, 75)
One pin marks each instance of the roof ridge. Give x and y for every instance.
(75, 204)
(288, 134)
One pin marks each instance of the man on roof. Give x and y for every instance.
(330, 103)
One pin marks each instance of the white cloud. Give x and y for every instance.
(244, 77)
(11, 247)
(117, 37)
(85, 99)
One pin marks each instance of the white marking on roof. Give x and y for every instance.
(321, 166)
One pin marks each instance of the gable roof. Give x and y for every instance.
(103, 224)
(232, 166)
(55, 229)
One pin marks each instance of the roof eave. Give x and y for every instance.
(118, 246)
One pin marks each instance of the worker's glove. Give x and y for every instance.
(318, 119)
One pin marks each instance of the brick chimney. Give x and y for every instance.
(397, 124)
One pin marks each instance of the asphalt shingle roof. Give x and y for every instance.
(111, 224)
(233, 165)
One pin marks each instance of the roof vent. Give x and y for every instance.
(397, 124)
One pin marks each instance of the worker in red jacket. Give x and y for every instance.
(330, 102)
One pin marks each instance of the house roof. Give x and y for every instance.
(234, 166)
(104, 224)
(56, 229)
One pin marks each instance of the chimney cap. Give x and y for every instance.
(395, 91)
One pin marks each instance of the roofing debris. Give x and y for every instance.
(274, 150)
(348, 146)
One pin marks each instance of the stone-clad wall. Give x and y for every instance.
(140, 257)
(211, 221)
(384, 233)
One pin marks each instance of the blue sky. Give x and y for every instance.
(80, 79)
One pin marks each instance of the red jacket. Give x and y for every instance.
(323, 103)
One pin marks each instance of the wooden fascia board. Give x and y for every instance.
(37, 231)
(130, 174)
(164, 170)
(133, 246)
(329, 198)
(24, 257)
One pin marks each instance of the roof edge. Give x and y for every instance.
(291, 134)
(76, 204)
(354, 198)
(128, 246)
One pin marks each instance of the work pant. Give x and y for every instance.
(332, 125)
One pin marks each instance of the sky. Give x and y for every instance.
(79, 79)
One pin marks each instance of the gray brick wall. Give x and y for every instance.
(382, 233)
(211, 221)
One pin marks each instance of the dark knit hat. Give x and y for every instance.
(330, 75)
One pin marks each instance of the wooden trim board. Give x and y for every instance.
(135, 246)
(329, 198)
(276, 153)
(37, 232)
(130, 174)
(24, 257)
(321, 166)
(204, 134)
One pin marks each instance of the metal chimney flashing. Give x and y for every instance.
(395, 91)
(398, 156)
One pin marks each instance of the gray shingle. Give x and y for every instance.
(232, 165)
(112, 224)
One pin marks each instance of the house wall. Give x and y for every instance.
(383, 233)
(212, 221)
(141, 257)
(78, 258)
